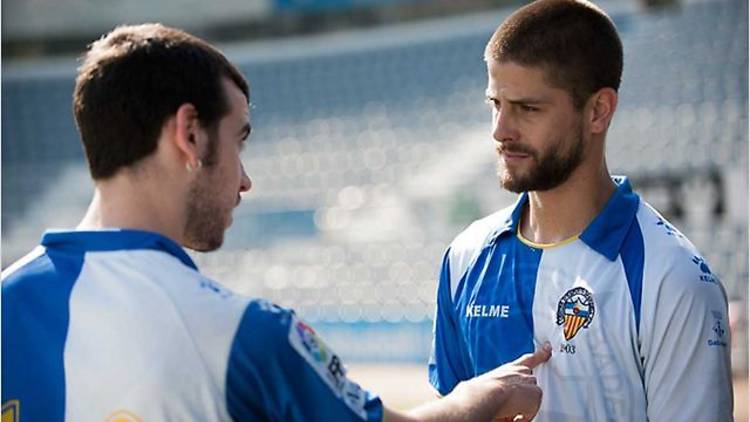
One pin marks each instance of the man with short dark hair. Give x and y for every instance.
(113, 322)
(636, 318)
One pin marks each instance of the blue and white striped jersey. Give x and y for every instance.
(119, 325)
(637, 321)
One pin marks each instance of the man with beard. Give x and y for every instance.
(113, 322)
(636, 318)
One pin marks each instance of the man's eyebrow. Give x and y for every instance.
(528, 100)
(522, 100)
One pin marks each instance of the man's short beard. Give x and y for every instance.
(552, 170)
(205, 225)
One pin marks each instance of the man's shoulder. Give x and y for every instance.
(671, 258)
(24, 267)
(469, 243)
(269, 328)
(265, 313)
(266, 332)
(38, 272)
(663, 241)
(474, 236)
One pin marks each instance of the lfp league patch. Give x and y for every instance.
(575, 311)
(327, 365)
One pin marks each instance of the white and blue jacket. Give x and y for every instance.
(119, 325)
(637, 321)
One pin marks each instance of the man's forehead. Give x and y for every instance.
(234, 92)
(511, 77)
(513, 71)
(239, 110)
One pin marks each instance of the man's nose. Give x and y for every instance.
(504, 126)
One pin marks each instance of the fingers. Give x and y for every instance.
(523, 405)
(532, 360)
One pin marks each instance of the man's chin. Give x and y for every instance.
(512, 184)
(536, 184)
(204, 245)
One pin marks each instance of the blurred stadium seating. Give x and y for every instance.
(371, 151)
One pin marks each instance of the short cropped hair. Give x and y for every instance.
(574, 41)
(136, 77)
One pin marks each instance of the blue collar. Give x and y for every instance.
(606, 232)
(114, 239)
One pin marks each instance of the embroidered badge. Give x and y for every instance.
(575, 311)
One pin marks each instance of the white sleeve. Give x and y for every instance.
(685, 343)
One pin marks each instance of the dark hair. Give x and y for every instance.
(574, 41)
(133, 79)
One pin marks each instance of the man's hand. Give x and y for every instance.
(511, 386)
(507, 393)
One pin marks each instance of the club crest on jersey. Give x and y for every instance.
(575, 311)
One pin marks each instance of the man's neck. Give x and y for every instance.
(125, 204)
(565, 211)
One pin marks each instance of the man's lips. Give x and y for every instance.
(512, 154)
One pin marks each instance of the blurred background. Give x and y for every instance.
(371, 148)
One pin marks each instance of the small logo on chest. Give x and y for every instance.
(575, 311)
(487, 311)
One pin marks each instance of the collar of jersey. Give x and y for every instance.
(114, 240)
(608, 230)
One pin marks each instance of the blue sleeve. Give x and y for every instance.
(449, 359)
(280, 370)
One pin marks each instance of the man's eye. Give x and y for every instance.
(527, 108)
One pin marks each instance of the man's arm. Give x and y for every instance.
(505, 392)
(280, 369)
(685, 345)
(449, 358)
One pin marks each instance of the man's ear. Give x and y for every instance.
(600, 109)
(188, 135)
